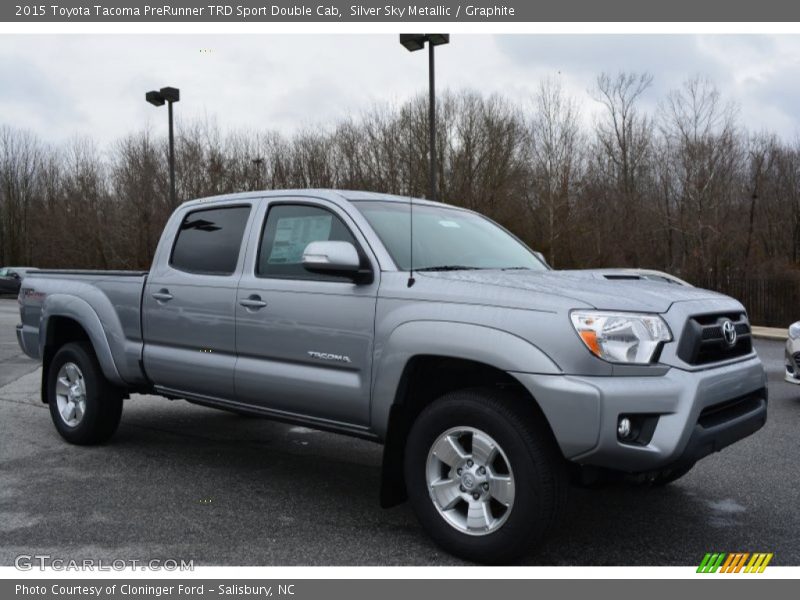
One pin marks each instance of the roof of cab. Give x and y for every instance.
(336, 196)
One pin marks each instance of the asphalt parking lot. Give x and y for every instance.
(182, 481)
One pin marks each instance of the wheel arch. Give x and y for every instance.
(496, 349)
(426, 378)
(68, 319)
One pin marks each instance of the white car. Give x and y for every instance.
(792, 354)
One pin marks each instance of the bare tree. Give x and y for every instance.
(624, 136)
(20, 161)
(705, 158)
(553, 147)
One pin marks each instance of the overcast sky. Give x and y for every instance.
(62, 86)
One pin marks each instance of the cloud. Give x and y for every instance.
(63, 85)
(27, 100)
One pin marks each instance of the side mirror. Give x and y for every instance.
(333, 258)
(541, 257)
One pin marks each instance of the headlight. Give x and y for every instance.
(621, 337)
(794, 330)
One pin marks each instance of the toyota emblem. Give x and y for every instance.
(729, 333)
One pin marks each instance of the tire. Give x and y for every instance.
(527, 453)
(84, 405)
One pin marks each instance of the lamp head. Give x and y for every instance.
(412, 41)
(154, 98)
(437, 39)
(416, 41)
(170, 94)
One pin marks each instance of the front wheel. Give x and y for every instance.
(484, 475)
(84, 406)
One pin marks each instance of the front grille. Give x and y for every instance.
(715, 332)
(703, 342)
(712, 416)
(796, 359)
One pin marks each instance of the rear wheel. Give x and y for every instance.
(84, 406)
(484, 475)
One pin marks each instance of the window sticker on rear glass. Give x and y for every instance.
(293, 234)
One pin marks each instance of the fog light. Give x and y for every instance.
(637, 428)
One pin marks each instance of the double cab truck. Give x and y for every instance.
(492, 381)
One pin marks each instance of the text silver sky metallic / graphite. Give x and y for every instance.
(392, 11)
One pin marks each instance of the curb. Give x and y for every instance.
(770, 333)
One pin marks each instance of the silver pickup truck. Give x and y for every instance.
(492, 381)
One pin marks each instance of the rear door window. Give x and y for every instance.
(209, 240)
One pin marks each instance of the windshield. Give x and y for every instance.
(446, 238)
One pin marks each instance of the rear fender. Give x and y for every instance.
(99, 331)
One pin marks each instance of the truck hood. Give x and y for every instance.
(582, 286)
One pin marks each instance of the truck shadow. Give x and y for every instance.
(618, 524)
(623, 525)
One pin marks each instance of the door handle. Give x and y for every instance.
(253, 302)
(162, 295)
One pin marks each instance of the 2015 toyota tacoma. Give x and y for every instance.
(489, 378)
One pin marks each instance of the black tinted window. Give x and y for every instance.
(289, 229)
(209, 240)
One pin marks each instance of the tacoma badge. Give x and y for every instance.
(328, 356)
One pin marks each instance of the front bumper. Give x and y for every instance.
(697, 412)
(791, 361)
(729, 423)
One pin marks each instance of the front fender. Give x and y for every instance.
(479, 343)
(65, 305)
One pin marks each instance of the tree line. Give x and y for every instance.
(685, 187)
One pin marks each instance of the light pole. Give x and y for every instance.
(258, 162)
(157, 98)
(413, 42)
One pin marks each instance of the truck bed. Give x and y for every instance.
(111, 300)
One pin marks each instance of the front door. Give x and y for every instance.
(304, 340)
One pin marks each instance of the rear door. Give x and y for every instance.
(189, 303)
(304, 340)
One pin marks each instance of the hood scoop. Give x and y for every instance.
(624, 277)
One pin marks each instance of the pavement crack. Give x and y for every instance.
(12, 401)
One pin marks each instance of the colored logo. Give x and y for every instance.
(734, 562)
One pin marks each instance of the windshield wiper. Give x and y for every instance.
(516, 269)
(449, 268)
